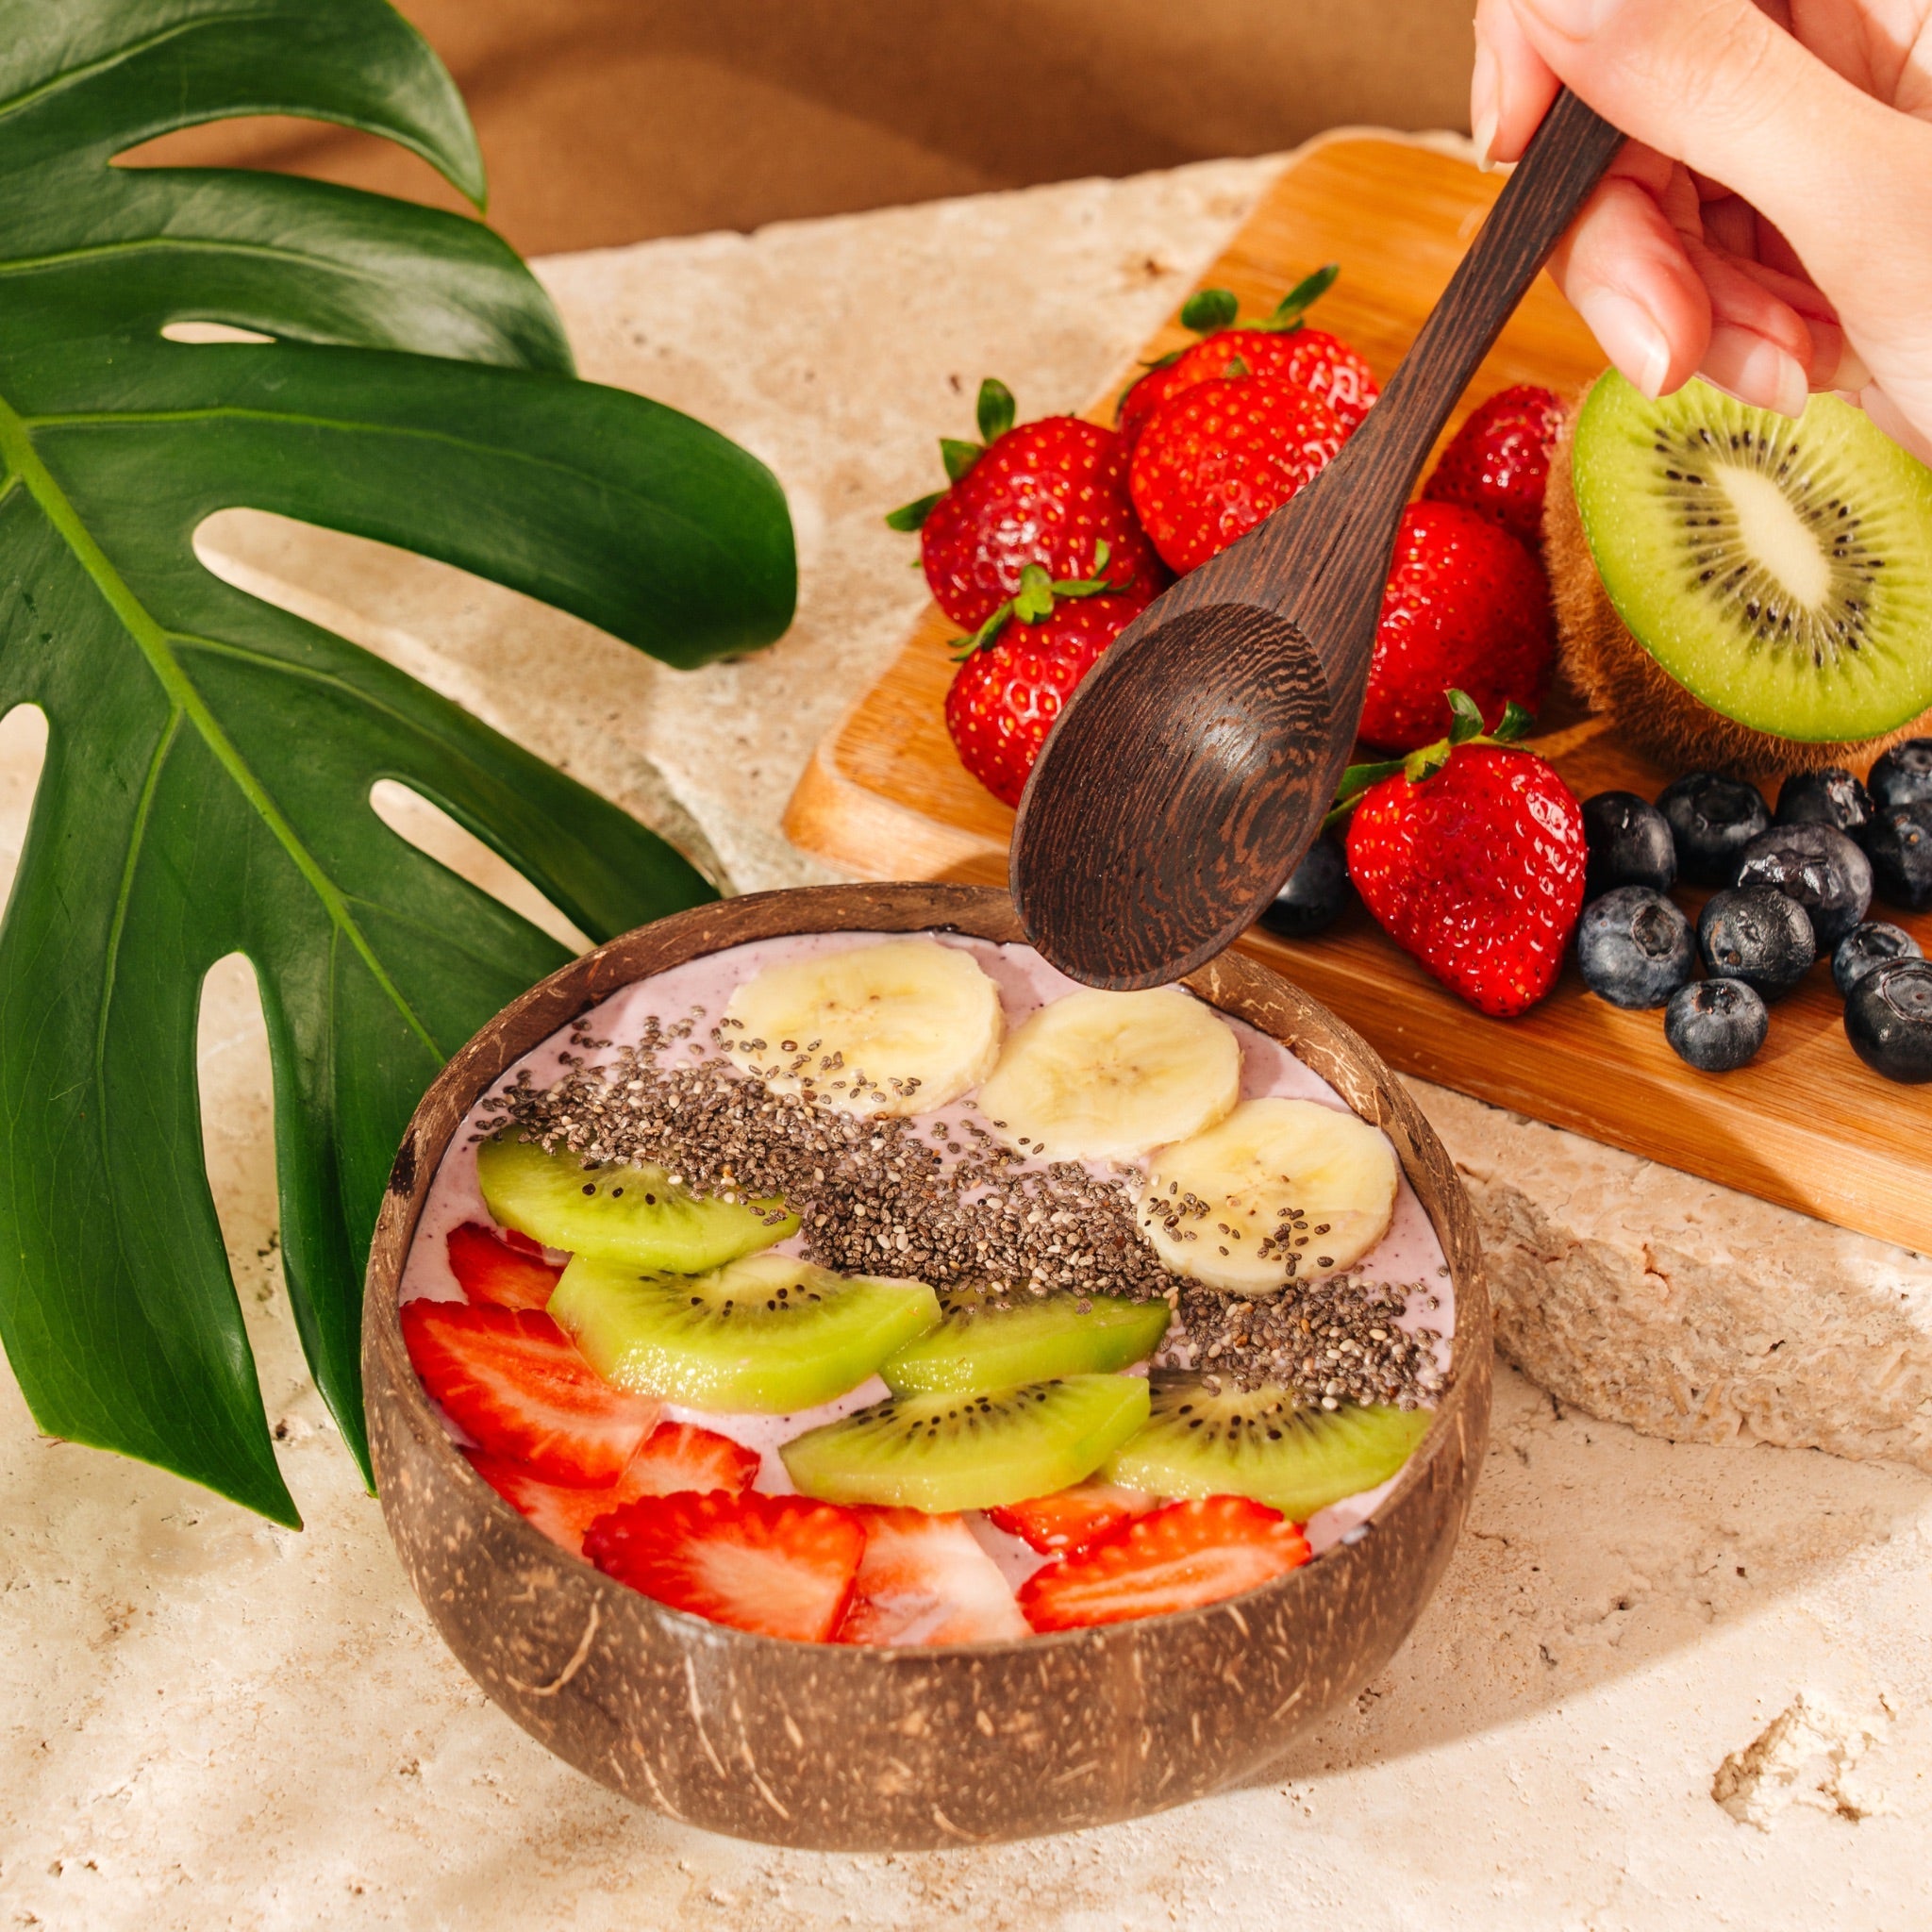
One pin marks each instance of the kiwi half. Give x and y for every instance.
(768, 1333)
(1743, 592)
(1295, 1456)
(635, 1215)
(976, 1347)
(941, 1453)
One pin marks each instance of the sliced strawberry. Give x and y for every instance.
(675, 1456)
(927, 1579)
(561, 1514)
(511, 1379)
(1072, 1520)
(681, 1455)
(782, 1566)
(1179, 1558)
(489, 1268)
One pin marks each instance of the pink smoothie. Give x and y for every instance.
(1408, 1253)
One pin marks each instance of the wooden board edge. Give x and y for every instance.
(834, 819)
(1887, 1204)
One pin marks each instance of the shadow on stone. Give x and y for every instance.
(1592, 1553)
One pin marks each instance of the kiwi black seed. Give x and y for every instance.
(1742, 590)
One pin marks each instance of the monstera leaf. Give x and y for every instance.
(210, 758)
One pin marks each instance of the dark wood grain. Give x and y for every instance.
(1193, 764)
(848, 1749)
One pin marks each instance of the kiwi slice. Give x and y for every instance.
(768, 1333)
(1742, 591)
(1295, 1456)
(635, 1215)
(977, 1346)
(941, 1453)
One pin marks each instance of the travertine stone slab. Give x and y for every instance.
(1688, 1311)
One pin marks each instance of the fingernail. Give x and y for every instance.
(1851, 372)
(1484, 109)
(1578, 19)
(1756, 371)
(1630, 337)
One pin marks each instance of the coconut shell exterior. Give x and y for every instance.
(836, 1748)
(1613, 673)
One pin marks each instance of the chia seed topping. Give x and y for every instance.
(949, 1203)
(874, 1193)
(1330, 1342)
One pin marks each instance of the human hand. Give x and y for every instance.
(1769, 223)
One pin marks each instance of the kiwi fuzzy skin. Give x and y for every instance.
(1613, 673)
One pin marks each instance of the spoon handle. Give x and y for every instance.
(1565, 159)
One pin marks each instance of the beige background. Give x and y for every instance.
(611, 120)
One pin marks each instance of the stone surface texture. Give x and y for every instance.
(1666, 1681)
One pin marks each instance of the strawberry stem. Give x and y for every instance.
(1300, 299)
(959, 456)
(1418, 767)
(996, 409)
(1208, 309)
(912, 516)
(1033, 602)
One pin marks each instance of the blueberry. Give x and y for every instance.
(1712, 819)
(1715, 1025)
(1819, 868)
(1904, 774)
(1866, 946)
(1758, 936)
(1888, 1019)
(1898, 841)
(1314, 895)
(1830, 798)
(1635, 947)
(1629, 842)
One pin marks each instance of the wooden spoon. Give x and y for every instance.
(1194, 766)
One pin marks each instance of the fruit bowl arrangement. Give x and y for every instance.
(895, 1454)
(1729, 586)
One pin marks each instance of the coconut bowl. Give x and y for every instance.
(851, 1749)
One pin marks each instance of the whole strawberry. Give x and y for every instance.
(1466, 606)
(1322, 364)
(1276, 345)
(1138, 403)
(1498, 462)
(1472, 857)
(1216, 460)
(1043, 493)
(1017, 673)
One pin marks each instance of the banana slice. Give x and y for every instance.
(1281, 1190)
(893, 1029)
(1108, 1075)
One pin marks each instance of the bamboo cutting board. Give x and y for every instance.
(1805, 1124)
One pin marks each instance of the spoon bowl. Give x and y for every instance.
(1195, 763)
